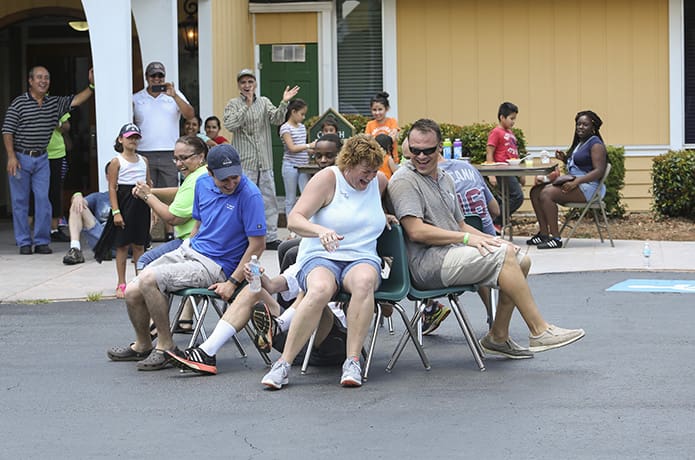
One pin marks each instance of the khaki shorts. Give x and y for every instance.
(465, 265)
(185, 268)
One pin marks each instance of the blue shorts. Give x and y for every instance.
(339, 268)
(93, 234)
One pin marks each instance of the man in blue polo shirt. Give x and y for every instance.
(29, 123)
(229, 229)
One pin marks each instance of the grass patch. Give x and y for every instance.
(33, 301)
(94, 296)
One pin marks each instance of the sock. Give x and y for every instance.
(75, 244)
(223, 332)
(54, 230)
(285, 319)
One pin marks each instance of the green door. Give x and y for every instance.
(289, 69)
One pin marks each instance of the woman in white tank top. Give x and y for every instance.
(340, 216)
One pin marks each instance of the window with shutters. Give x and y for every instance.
(689, 77)
(360, 74)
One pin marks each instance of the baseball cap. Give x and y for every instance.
(224, 161)
(155, 67)
(245, 73)
(129, 129)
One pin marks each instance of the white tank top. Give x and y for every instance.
(356, 215)
(131, 173)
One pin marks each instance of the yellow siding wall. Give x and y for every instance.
(276, 28)
(233, 51)
(458, 59)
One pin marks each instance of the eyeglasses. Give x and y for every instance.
(157, 75)
(428, 151)
(182, 159)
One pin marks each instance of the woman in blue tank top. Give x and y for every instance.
(586, 159)
(339, 217)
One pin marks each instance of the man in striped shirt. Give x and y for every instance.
(29, 122)
(248, 118)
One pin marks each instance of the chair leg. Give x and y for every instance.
(598, 225)
(409, 332)
(389, 321)
(372, 342)
(309, 347)
(605, 220)
(199, 315)
(576, 224)
(242, 352)
(467, 330)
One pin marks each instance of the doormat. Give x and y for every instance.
(640, 285)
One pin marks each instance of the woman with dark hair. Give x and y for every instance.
(586, 160)
(295, 151)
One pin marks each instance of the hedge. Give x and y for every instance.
(673, 184)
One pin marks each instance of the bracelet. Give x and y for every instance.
(77, 193)
(232, 280)
(115, 211)
(91, 86)
(146, 197)
(466, 236)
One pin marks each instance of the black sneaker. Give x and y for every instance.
(552, 243)
(272, 245)
(58, 236)
(26, 250)
(537, 239)
(433, 318)
(42, 249)
(74, 256)
(266, 327)
(193, 359)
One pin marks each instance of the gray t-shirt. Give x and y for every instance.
(433, 201)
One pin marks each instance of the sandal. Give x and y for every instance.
(127, 353)
(120, 291)
(180, 329)
(156, 360)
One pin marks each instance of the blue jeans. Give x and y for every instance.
(292, 178)
(156, 253)
(35, 176)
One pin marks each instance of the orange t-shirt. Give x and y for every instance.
(375, 128)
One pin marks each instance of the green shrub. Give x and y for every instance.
(615, 181)
(673, 184)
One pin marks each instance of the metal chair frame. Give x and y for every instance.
(595, 204)
(201, 299)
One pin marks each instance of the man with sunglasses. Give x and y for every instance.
(444, 251)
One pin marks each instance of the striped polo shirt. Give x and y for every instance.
(251, 129)
(31, 124)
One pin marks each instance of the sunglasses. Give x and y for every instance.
(157, 75)
(428, 151)
(182, 159)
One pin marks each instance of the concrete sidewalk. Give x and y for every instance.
(44, 277)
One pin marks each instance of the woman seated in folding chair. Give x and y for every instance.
(586, 160)
(339, 217)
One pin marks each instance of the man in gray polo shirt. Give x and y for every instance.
(29, 123)
(443, 251)
(248, 118)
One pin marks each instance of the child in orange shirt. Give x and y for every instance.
(381, 124)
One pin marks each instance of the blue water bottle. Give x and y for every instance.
(446, 151)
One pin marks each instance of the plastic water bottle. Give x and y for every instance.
(545, 157)
(458, 149)
(255, 283)
(646, 254)
(447, 149)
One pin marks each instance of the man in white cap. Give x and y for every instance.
(248, 118)
(156, 110)
(229, 229)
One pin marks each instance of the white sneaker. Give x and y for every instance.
(352, 373)
(277, 377)
(554, 337)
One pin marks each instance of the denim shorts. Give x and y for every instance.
(339, 268)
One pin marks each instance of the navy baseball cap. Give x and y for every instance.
(129, 129)
(224, 161)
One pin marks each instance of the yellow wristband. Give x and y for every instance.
(466, 236)
(115, 211)
(91, 86)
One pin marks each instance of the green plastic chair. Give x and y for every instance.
(393, 289)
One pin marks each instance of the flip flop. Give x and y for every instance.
(179, 329)
(120, 291)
